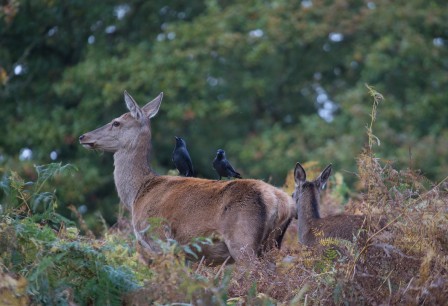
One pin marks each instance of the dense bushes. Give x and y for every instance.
(405, 262)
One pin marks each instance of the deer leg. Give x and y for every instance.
(281, 234)
(243, 239)
(243, 227)
(243, 251)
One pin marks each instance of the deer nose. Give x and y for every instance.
(81, 137)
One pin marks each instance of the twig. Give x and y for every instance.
(350, 172)
(370, 238)
(377, 98)
(222, 267)
(420, 197)
(390, 286)
(387, 277)
(307, 271)
(407, 287)
(386, 247)
(200, 264)
(22, 58)
(81, 221)
(316, 275)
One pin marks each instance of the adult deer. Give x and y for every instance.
(244, 215)
(307, 197)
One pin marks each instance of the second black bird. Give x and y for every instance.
(181, 158)
(223, 167)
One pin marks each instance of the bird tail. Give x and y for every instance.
(237, 175)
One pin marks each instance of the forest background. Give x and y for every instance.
(271, 82)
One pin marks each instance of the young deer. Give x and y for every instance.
(244, 215)
(306, 195)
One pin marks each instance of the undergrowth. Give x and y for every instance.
(402, 259)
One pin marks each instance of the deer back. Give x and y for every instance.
(243, 214)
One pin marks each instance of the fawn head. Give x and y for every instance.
(123, 132)
(306, 189)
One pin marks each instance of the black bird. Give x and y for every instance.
(181, 158)
(223, 167)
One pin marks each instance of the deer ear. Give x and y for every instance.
(151, 108)
(133, 107)
(299, 175)
(323, 177)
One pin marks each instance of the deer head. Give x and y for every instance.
(307, 192)
(301, 182)
(123, 132)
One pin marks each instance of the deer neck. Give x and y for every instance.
(132, 169)
(307, 211)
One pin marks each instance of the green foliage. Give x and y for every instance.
(159, 233)
(62, 267)
(20, 193)
(55, 263)
(43, 246)
(32, 198)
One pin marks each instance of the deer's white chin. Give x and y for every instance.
(89, 146)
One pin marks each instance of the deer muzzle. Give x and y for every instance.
(84, 142)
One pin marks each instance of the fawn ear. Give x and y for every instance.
(299, 175)
(136, 111)
(151, 108)
(323, 177)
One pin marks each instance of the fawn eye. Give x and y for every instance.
(116, 123)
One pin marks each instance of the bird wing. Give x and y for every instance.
(190, 165)
(215, 164)
(230, 168)
(175, 157)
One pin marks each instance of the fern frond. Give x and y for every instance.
(318, 233)
(330, 241)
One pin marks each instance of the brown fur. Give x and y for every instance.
(311, 226)
(244, 216)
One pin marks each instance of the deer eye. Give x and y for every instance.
(115, 123)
